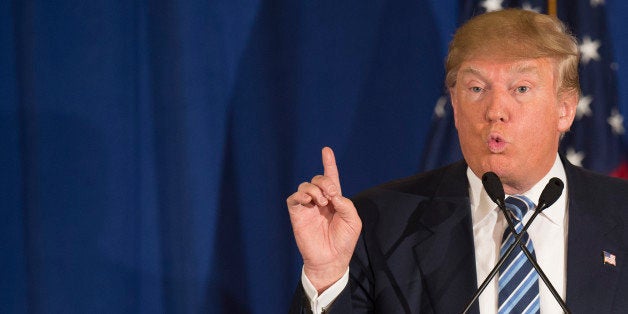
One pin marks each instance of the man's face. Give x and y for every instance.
(509, 117)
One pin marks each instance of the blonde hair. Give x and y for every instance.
(515, 34)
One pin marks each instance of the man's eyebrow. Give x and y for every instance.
(471, 71)
(520, 68)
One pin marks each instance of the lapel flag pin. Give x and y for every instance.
(609, 258)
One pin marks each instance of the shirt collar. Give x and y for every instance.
(482, 205)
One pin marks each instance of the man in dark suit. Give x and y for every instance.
(425, 243)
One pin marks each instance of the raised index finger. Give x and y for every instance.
(329, 166)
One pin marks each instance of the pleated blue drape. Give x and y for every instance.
(147, 147)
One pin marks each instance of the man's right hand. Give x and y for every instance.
(326, 225)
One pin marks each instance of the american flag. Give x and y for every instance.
(596, 137)
(609, 258)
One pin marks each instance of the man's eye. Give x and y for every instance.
(522, 89)
(476, 89)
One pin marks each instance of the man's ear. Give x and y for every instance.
(567, 106)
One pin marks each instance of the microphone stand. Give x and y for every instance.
(501, 261)
(499, 199)
(532, 260)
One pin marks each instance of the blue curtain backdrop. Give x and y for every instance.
(147, 147)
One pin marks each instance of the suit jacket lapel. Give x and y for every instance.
(446, 258)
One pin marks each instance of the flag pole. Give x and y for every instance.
(551, 7)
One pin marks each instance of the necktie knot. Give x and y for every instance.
(518, 206)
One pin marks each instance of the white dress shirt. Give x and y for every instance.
(548, 233)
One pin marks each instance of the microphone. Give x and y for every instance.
(549, 196)
(494, 188)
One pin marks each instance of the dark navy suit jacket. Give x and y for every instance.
(416, 251)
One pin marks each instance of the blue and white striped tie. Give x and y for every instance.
(518, 281)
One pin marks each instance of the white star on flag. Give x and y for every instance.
(528, 7)
(492, 5)
(584, 107)
(616, 120)
(588, 50)
(595, 3)
(439, 109)
(574, 157)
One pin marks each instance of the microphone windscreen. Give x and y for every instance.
(493, 186)
(551, 192)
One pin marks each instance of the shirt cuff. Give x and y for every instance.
(318, 303)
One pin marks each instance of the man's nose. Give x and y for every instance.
(497, 107)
